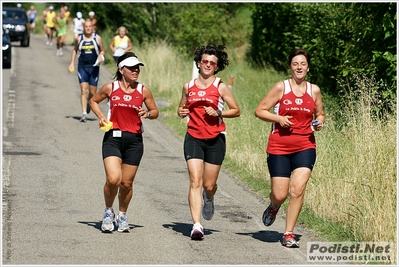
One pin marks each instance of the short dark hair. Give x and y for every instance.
(212, 49)
(118, 75)
(298, 52)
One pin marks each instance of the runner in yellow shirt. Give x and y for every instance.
(50, 25)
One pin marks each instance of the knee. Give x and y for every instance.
(297, 192)
(113, 182)
(279, 197)
(125, 186)
(210, 187)
(195, 183)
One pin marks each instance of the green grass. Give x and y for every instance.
(351, 195)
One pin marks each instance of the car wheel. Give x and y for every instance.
(25, 41)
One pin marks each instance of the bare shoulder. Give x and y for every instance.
(278, 87)
(315, 89)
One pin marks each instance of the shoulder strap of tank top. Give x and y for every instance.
(115, 85)
(309, 88)
(217, 81)
(287, 87)
(139, 88)
(191, 83)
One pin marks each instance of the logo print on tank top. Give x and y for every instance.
(201, 93)
(287, 102)
(298, 101)
(127, 98)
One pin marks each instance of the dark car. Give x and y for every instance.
(16, 24)
(6, 52)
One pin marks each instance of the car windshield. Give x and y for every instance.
(14, 15)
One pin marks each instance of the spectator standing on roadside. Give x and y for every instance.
(50, 25)
(123, 147)
(93, 20)
(202, 101)
(31, 14)
(78, 24)
(90, 50)
(291, 147)
(61, 29)
(120, 44)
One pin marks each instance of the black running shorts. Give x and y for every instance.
(283, 165)
(129, 147)
(210, 150)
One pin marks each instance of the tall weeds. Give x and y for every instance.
(354, 180)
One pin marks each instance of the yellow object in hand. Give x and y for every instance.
(107, 126)
(71, 69)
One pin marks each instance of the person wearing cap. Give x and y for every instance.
(50, 25)
(78, 24)
(202, 101)
(90, 50)
(122, 147)
(93, 20)
(120, 44)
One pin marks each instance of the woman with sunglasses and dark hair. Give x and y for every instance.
(122, 146)
(202, 101)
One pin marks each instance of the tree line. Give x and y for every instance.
(343, 38)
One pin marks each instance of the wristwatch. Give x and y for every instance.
(219, 112)
(148, 115)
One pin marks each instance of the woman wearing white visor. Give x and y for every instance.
(122, 146)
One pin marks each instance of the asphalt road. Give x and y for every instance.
(53, 180)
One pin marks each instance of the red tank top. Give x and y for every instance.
(200, 125)
(300, 135)
(123, 108)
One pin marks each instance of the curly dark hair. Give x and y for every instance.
(118, 75)
(212, 49)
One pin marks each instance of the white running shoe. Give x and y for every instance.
(123, 225)
(108, 221)
(58, 52)
(208, 209)
(61, 54)
(198, 232)
(83, 118)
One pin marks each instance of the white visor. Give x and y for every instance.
(130, 62)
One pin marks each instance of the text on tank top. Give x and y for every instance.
(200, 124)
(88, 50)
(123, 108)
(301, 108)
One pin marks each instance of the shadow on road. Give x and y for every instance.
(97, 225)
(78, 118)
(268, 236)
(185, 228)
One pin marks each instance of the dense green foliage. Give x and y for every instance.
(185, 25)
(344, 39)
(341, 37)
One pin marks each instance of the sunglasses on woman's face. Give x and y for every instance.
(205, 62)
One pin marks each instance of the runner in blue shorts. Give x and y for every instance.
(89, 47)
